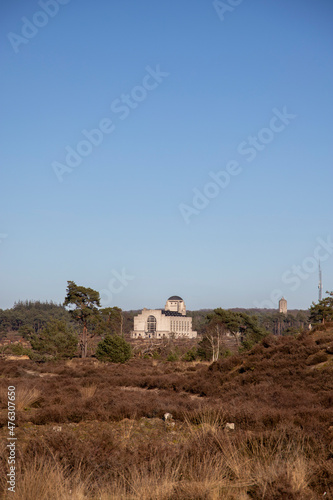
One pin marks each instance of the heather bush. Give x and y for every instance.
(319, 357)
(97, 428)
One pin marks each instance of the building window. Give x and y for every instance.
(151, 324)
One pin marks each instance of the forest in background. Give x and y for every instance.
(30, 317)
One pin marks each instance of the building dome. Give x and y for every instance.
(175, 297)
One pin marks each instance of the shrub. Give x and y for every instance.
(173, 356)
(191, 355)
(19, 350)
(318, 357)
(204, 350)
(27, 397)
(114, 349)
(56, 340)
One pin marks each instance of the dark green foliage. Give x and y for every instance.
(57, 340)
(173, 356)
(323, 311)
(109, 321)
(114, 349)
(86, 302)
(245, 329)
(128, 318)
(26, 331)
(251, 330)
(229, 319)
(204, 350)
(31, 316)
(244, 324)
(191, 355)
(19, 350)
(199, 319)
(277, 323)
(284, 324)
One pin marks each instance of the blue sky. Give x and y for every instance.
(220, 79)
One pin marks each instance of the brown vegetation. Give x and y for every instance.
(96, 429)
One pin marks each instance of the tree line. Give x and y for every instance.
(57, 330)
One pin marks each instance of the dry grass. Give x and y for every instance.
(208, 466)
(298, 473)
(25, 396)
(231, 475)
(88, 392)
(204, 420)
(44, 480)
(260, 463)
(154, 482)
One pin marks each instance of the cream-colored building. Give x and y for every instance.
(168, 322)
(283, 306)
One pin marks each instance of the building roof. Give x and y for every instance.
(175, 297)
(171, 313)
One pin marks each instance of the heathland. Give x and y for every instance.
(88, 429)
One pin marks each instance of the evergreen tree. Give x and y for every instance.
(114, 349)
(323, 311)
(86, 302)
(56, 340)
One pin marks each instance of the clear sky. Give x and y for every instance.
(156, 148)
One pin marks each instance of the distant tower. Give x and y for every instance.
(283, 306)
(320, 285)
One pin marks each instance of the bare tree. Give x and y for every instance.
(214, 335)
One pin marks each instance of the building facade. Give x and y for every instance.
(283, 306)
(168, 322)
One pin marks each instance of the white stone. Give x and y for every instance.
(229, 426)
(169, 322)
